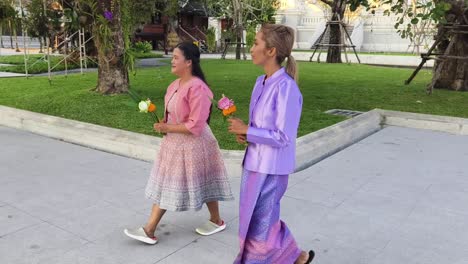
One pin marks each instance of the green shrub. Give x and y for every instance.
(143, 47)
(211, 39)
(250, 37)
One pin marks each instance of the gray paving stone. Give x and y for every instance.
(398, 196)
(401, 250)
(37, 243)
(435, 224)
(302, 216)
(320, 193)
(13, 220)
(202, 251)
(333, 253)
(448, 196)
(95, 222)
(134, 200)
(56, 204)
(356, 228)
(379, 205)
(117, 248)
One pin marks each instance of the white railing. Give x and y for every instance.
(311, 20)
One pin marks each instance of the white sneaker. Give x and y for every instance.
(210, 228)
(140, 235)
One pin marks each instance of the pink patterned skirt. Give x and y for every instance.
(188, 172)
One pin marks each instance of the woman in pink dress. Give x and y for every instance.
(189, 170)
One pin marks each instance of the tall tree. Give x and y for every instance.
(3, 16)
(110, 26)
(451, 73)
(10, 19)
(253, 12)
(36, 22)
(338, 9)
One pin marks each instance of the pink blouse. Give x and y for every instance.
(193, 104)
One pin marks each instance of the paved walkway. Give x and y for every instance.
(371, 59)
(10, 74)
(398, 196)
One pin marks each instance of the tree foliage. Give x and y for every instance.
(253, 12)
(415, 12)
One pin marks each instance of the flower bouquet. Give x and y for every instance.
(145, 106)
(226, 105)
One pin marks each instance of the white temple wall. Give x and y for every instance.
(308, 19)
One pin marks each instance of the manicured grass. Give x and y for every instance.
(38, 64)
(324, 87)
(17, 59)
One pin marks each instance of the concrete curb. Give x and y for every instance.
(320, 144)
(452, 125)
(117, 141)
(311, 148)
(112, 140)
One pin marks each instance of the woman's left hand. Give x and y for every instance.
(161, 127)
(237, 126)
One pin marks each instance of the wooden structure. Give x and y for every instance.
(154, 33)
(344, 35)
(192, 23)
(448, 30)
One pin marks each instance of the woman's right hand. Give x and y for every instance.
(241, 139)
(237, 126)
(160, 127)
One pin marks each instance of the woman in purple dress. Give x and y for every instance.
(275, 111)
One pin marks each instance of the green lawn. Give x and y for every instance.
(38, 64)
(324, 87)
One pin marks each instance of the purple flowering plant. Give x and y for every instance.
(108, 15)
(108, 7)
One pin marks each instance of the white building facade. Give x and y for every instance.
(369, 32)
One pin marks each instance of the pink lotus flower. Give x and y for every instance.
(225, 103)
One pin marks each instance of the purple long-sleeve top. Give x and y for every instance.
(275, 112)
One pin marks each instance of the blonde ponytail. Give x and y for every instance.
(291, 68)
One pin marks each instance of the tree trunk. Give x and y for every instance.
(40, 45)
(238, 47)
(238, 25)
(112, 71)
(11, 37)
(1, 35)
(44, 41)
(334, 52)
(16, 39)
(453, 73)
